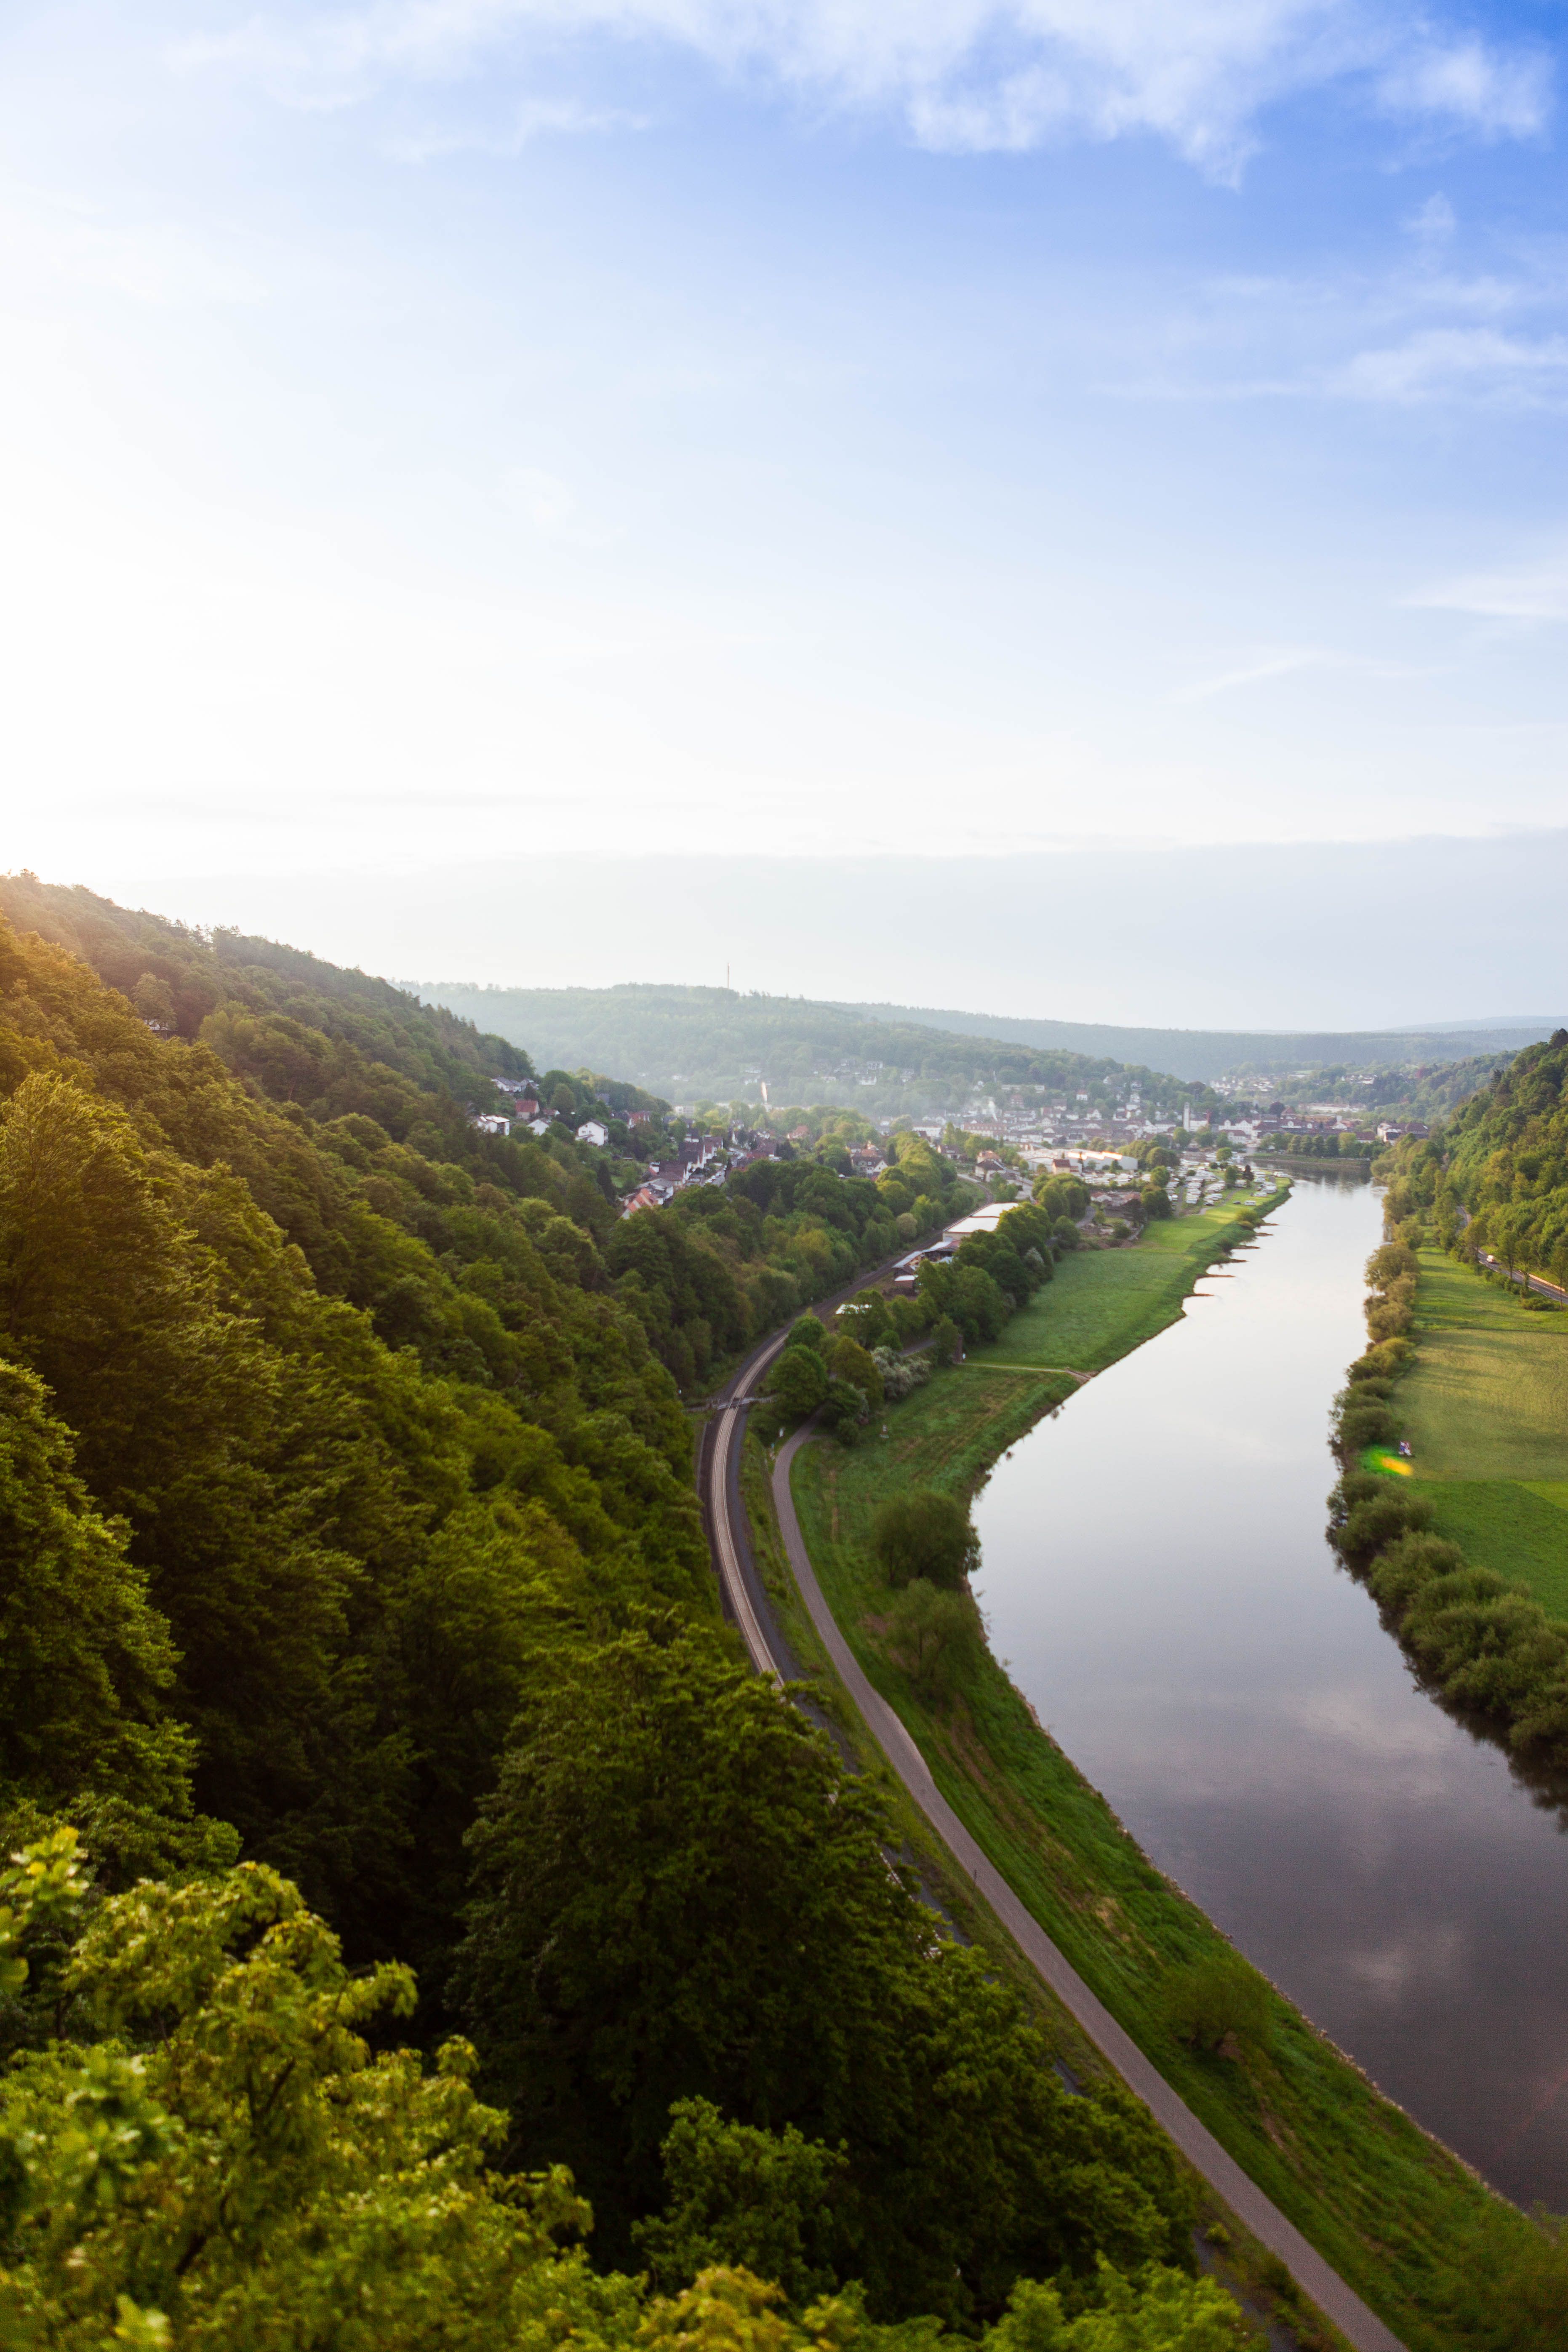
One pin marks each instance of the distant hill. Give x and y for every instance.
(691, 1043)
(713, 1044)
(1210, 1054)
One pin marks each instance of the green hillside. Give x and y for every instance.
(712, 1043)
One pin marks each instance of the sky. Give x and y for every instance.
(439, 435)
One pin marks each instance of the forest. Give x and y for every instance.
(716, 1044)
(421, 1927)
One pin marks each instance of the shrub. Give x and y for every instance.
(924, 1535)
(1216, 1997)
(1377, 1520)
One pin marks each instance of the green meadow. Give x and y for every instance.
(1104, 1303)
(1485, 1406)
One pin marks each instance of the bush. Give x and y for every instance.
(1376, 1520)
(901, 1375)
(1215, 1997)
(924, 1535)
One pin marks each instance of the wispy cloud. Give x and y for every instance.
(964, 75)
(534, 117)
(1473, 363)
(1501, 93)
(1532, 592)
(1284, 662)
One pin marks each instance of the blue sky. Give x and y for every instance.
(443, 429)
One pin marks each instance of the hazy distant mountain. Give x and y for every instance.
(694, 1043)
(1210, 1054)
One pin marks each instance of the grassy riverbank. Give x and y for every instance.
(1485, 1405)
(1383, 2202)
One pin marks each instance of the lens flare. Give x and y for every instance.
(1377, 1457)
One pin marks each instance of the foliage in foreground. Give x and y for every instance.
(199, 2149)
(680, 1894)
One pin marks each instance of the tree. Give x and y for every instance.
(798, 1382)
(924, 1534)
(1162, 2310)
(229, 2166)
(86, 1663)
(753, 2200)
(808, 1331)
(934, 1633)
(866, 1317)
(852, 1363)
(680, 1894)
(946, 1341)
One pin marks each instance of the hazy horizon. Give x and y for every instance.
(1315, 937)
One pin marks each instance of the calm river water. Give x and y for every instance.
(1156, 1575)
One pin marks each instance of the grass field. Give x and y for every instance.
(1484, 1407)
(1104, 1303)
(1382, 2200)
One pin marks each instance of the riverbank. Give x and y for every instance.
(1379, 2198)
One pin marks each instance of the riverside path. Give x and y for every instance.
(746, 1602)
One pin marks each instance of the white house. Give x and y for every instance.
(595, 1131)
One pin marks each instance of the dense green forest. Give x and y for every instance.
(399, 1822)
(714, 1043)
(1502, 1161)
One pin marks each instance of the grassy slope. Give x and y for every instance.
(1379, 2196)
(1486, 1408)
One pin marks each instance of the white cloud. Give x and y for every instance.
(1535, 592)
(963, 74)
(1474, 363)
(1499, 94)
(1432, 223)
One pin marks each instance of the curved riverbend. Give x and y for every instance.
(1157, 1577)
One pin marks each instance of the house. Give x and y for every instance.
(491, 1122)
(593, 1132)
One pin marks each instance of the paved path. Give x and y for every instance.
(747, 1604)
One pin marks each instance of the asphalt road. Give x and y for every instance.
(746, 1603)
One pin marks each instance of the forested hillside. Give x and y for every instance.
(1504, 1158)
(714, 1043)
(347, 1544)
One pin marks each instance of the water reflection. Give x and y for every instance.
(1156, 1574)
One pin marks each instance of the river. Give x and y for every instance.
(1155, 1575)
